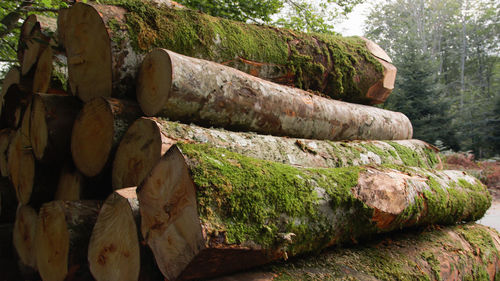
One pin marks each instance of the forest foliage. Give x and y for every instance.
(447, 53)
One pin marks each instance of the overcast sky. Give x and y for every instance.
(353, 25)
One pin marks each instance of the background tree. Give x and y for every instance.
(460, 38)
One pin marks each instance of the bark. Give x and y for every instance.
(5, 140)
(52, 121)
(224, 97)
(24, 237)
(208, 211)
(112, 41)
(468, 252)
(114, 243)
(62, 237)
(149, 138)
(8, 202)
(97, 131)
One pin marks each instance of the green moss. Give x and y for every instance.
(480, 239)
(407, 155)
(341, 67)
(254, 200)
(433, 263)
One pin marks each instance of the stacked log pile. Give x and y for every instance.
(147, 164)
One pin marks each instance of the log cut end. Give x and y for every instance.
(92, 137)
(11, 78)
(139, 150)
(43, 71)
(154, 81)
(21, 167)
(52, 242)
(24, 235)
(88, 50)
(113, 252)
(38, 131)
(5, 139)
(70, 184)
(170, 223)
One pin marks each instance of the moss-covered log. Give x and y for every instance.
(108, 42)
(194, 90)
(52, 119)
(62, 235)
(98, 130)
(468, 252)
(149, 138)
(208, 211)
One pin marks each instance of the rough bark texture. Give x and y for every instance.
(149, 138)
(52, 119)
(210, 211)
(340, 67)
(98, 130)
(62, 237)
(465, 252)
(224, 97)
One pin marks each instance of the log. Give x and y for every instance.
(12, 77)
(109, 42)
(113, 252)
(224, 97)
(24, 238)
(71, 184)
(149, 138)
(97, 131)
(62, 236)
(21, 166)
(36, 36)
(52, 122)
(208, 211)
(15, 102)
(114, 243)
(5, 140)
(468, 252)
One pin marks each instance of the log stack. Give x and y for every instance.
(199, 159)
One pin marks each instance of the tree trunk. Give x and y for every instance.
(468, 252)
(24, 238)
(62, 237)
(114, 243)
(149, 138)
(52, 121)
(97, 131)
(109, 42)
(194, 90)
(6, 136)
(208, 211)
